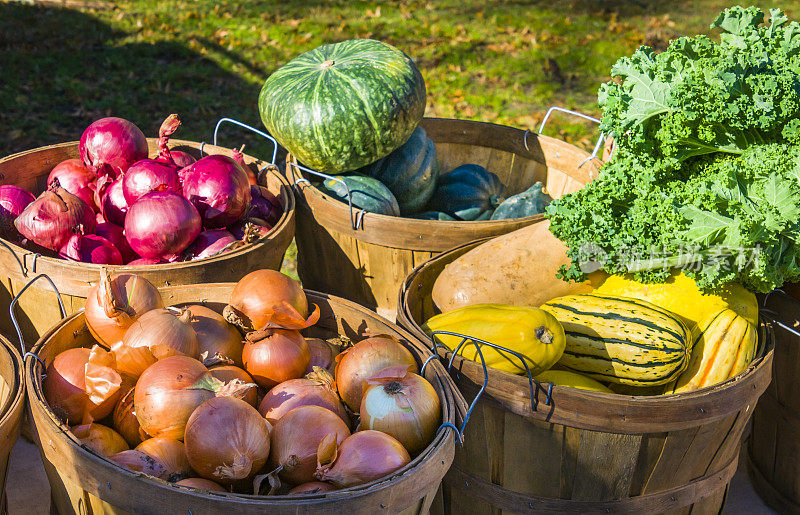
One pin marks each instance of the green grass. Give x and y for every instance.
(498, 61)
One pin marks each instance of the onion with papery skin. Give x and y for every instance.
(238, 156)
(161, 225)
(110, 198)
(218, 188)
(218, 341)
(360, 362)
(157, 334)
(13, 201)
(81, 385)
(171, 453)
(52, 218)
(149, 175)
(363, 457)
(249, 230)
(114, 234)
(90, 248)
(227, 373)
(312, 487)
(200, 483)
(267, 298)
(296, 438)
(140, 462)
(116, 302)
(210, 243)
(227, 440)
(74, 177)
(401, 404)
(264, 205)
(145, 262)
(125, 421)
(171, 389)
(322, 355)
(167, 129)
(273, 356)
(101, 438)
(110, 145)
(316, 389)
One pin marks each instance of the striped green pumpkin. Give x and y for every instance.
(343, 106)
(621, 340)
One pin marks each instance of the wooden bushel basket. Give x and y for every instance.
(589, 452)
(368, 264)
(12, 402)
(773, 451)
(38, 309)
(83, 482)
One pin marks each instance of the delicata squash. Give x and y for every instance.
(532, 332)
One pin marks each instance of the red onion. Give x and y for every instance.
(111, 200)
(100, 219)
(74, 177)
(362, 457)
(52, 219)
(110, 145)
(90, 248)
(149, 175)
(210, 243)
(145, 262)
(13, 201)
(182, 159)
(239, 158)
(114, 234)
(161, 225)
(264, 205)
(218, 187)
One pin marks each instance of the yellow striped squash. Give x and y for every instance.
(621, 340)
(724, 345)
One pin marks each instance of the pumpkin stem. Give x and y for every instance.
(544, 334)
(327, 64)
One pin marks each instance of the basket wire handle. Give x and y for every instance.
(22, 267)
(597, 146)
(533, 384)
(251, 129)
(356, 218)
(14, 317)
(773, 316)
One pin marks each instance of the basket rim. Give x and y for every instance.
(285, 221)
(439, 445)
(748, 384)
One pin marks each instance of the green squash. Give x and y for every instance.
(468, 192)
(410, 172)
(532, 201)
(433, 215)
(343, 106)
(367, 193)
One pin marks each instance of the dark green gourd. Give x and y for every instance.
(410, 172)
(367, 193)
(532, 201)
(468, 192)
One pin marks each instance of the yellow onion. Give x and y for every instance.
(227, 373)
(312, 487)
(322, 354)
(273, 356)
(140, 462)
(171, 453)
(401, 404)
(102, 439)
(200, 484)
(296, 438)
(125, 421)
(360, 362)
(157, 334)
(171, 389)
(269, 299)
(217, 340)
(81, 385)
(227, 440)
(116, 302)
(316, 389)
(362, 457)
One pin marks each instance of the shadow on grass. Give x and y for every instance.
(61, 69)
